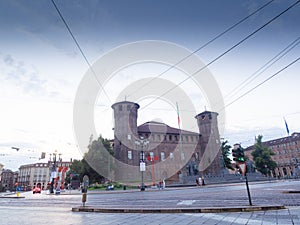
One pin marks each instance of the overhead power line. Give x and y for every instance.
(269, 78)
(263, 68)
(79, 48)
(201, 47)
(224, 53)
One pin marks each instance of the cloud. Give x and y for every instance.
(19, 76)
(22, 75)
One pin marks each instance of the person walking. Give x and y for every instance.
(200, 181)
(160, 184)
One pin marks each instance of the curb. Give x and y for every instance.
(178, 210)
(12, 197)
(291, 192)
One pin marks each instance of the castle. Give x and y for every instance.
(169, 153)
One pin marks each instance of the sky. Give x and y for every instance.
(41, 68)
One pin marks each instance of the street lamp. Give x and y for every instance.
(142, 144)
(53, 176)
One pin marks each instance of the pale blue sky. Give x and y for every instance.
(41, 67)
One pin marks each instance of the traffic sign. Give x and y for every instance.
(142, 166)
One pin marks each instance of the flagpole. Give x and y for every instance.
(290, 141)
(286, 126)
(294, 160)
(180, 135)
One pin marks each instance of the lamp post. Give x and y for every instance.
(142, 144)
(54, 174)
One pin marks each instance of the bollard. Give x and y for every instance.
(83, 199)
(84, 189)
(18, 191)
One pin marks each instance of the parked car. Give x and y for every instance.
(36, 190)
(110, 187)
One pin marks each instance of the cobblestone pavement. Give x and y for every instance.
(56, 215)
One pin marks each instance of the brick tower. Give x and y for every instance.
(210, 151)
(125, 130)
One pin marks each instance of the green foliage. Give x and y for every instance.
(92, 161)
(97, 186)
(262, 157)
(226, 155)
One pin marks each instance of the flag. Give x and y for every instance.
(178, 117)
(286, 126)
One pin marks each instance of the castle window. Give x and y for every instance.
(120, 107)
(171, 155)
(187, 138)
(170, 137)
(162, 156)
(128, 107)
(182, 155)
(129, 153)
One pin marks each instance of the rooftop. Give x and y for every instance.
(158, 127)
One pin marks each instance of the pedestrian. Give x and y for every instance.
(197, 182)
(160, 184)
(200, 181)
(164, 184)
(203, 182)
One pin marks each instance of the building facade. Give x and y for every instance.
(168, 152)
(34, 174)
(8, 180)
(287, 155)
(1, 168)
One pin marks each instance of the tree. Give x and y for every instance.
(226, 153)
(98, 158)
(92, 161)
(262, 157)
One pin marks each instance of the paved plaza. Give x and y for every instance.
(57, 209)
(57, 215)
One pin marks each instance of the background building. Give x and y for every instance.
(1, 168)
(287, 155)
(40, 173)
(8, 180)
